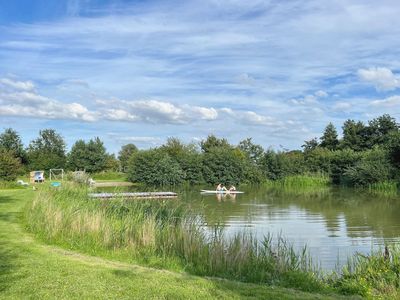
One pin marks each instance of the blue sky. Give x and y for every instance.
(142, 71)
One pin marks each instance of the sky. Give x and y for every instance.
(142, 71)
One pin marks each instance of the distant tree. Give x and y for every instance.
(393, 146)
(91, 156)
(355, 135)
(125, 154)
(329, 139)
(112, 163)
(11, 141)
(212, 142)
(47, 151)
(9, 165)
(223, 165)
(380, 127)
(310, 145)
(155, 168)
(254, 152)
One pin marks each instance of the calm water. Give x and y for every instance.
(333, 222)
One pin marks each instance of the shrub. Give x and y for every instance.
(9, 165)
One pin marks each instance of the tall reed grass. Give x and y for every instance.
(301, 181)
(165, 234)
(384, 187)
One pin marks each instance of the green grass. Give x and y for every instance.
(301, 181)
(30, 269)
(384, 187)
(109, 176)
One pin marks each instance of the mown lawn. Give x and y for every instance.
(30, 269)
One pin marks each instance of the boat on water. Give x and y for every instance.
(220, 192)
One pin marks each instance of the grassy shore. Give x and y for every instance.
(163, 235)
(30, 269)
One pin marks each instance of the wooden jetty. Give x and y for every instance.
(140, 195)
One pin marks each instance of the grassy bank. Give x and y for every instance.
(164, 235)
(300, 181)
(32, 270)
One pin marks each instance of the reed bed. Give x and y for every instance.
(301, 181)
(165, 234)
(385, 187)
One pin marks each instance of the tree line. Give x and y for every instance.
(367, 153)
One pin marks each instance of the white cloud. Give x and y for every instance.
(321, 94)
(20, 99)
(17, 85)
(382, 78)
(342, 106)
(204, 113)
(393, 101)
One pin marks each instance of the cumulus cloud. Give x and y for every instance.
(393, 101)
(382, 78)
(17, 85)
(18, 98)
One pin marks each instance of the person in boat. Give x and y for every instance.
(232, 188)
(220, 188)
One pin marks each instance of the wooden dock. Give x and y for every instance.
(140, 195)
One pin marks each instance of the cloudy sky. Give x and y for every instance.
(141, 71)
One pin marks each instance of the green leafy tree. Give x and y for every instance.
(9, 165)
(47, 151)
(223, 165)
(355, 135)
(91, 156)
(11, 141)
(393, 146)
(155, 168)
(380, 127)
(373, 167)
(310, 145)
(254, 152)
(125, 154)
(329, 139)
(213, 142)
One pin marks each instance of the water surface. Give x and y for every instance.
(334, 223)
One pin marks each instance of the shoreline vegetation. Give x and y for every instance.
(167, 235)
(367, 155)
(31, 269)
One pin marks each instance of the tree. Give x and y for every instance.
(212, 142)
(47, 151)
(329, 139)
(125, 154)
(254, 152)
(9, 165)
(155, 168)
(310, 145)
(393, 147)
(91, 156)
(380, 127)
(11, 141)
(223, 165)
(355, 135)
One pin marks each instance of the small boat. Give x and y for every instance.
(220, 192)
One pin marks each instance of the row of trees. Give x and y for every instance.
(48, 151)
(366, 153)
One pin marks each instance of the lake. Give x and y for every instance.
(334, 223)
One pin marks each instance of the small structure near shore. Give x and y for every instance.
(36, 176)
(140, 195)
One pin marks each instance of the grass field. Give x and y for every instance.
(31, 269)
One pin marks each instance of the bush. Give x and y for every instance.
(374, 167)
(9, 165)
(154, 167)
